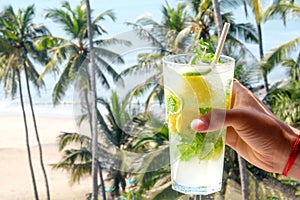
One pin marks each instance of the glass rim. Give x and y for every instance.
(167, 60)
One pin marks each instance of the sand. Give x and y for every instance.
(15, 178)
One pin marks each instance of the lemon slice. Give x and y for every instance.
(200, 89)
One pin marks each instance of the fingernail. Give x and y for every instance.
(196, 124)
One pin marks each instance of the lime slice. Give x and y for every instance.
(172, 102)
(173, 108)
(196, 73)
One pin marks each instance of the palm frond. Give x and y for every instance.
(156, 93)
(236, 46)
(107, 13)
(111, 41)
(282, 10)
(67, 138)
(284, 99)
(146, 20)
(245, 32)
(145, 34)
(294, 68)
(256, 9)
(230, 4)
(60, 16)
(142, 88)
(76, 161)
(34, 75)
(103, 66)
(180, 39)
(278, 54)
(109, 55)
(27, 17)
(60, 87)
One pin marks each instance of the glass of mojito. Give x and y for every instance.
(192, 90)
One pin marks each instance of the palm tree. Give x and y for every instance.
(278, 8)
(200, 24)
(241, 161)
(284, 97)
(217, 15)
(76, 160)
(92, 116)
(74, 51)
(18, 34)
(178, 25)
(79, 161)
(257, 10)
(282, 9)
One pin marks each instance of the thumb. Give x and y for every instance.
(212, 121)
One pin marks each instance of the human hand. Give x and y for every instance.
(253, 131)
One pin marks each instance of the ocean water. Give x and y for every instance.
(274, 34)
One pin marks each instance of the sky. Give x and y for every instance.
(124, 11)
(274, 33)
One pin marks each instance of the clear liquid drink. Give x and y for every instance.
(191, 91)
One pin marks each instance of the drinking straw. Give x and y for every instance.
(221, 42)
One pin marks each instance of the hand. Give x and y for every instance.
(253, 131)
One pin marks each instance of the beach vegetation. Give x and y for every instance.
(68, 55)
(125, 125)
(18, 54)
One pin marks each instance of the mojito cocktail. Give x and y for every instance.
(192, 91)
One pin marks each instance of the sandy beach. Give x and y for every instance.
(15, 179)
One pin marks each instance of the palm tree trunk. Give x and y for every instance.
(244, 178)
(98, 163)
(217, 16)
(93, 95)
(261, 54)
(261, 50)
(218, 20)
(102, 181)
(27, 138)
(245, 8)
(37, 133)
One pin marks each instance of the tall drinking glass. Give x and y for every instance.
(191, 91)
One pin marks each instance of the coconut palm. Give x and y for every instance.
(71, 53)
(217, 15)
(241, 161)
(257, 10)
(285, 102)
(284, 97)
(18, 34)
(283, 10)
(181, 40)
(92, 116)
(76, 160)
(278, 8)
(114, 126)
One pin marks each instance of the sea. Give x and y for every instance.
(274, 34)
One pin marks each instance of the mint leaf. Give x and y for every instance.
(204, 111)
(204, 53)
(186, 151)
(216, 150)
(195, 148)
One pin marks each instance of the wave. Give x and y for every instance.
(46, 109)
